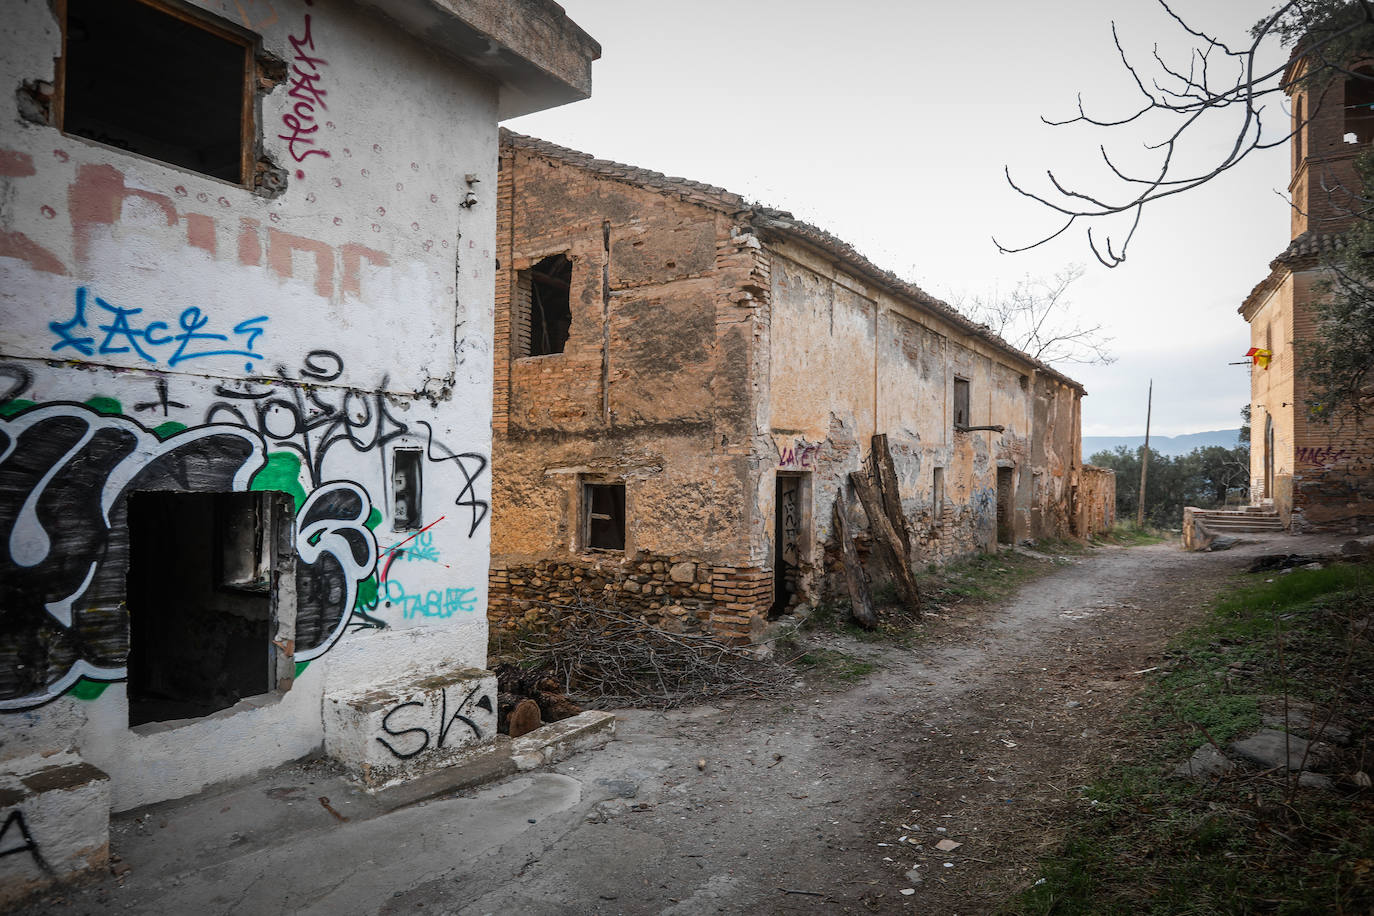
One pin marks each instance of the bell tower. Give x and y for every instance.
(1332, 124)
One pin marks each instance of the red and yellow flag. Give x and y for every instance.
(1260, 356)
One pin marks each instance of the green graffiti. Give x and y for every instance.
(105, 405)
(282, 472)
(10, 408)
(87, 689)
(374, 518)
(168, 429)
(300, 667)
(367, 594)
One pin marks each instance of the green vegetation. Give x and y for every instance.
(1200, 478)
(1146, 841)
(834, 665)
(1126, 534)
(986, 577)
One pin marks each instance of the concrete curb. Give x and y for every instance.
(504, 757)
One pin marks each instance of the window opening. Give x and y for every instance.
(1359, 107)
(545, 319)
(199, 117)
(604, 522)
(202, 600)
(405, 486)
(937, 500)
(1298, 128)
(961, 412)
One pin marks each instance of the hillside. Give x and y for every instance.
(1165, 445)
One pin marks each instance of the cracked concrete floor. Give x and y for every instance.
(810, 802)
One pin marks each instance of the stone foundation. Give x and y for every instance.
(668, 591)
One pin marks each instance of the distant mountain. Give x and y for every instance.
(1165, 445)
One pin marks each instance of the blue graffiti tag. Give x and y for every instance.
(422, 550)
(433, 603)
(123, 335)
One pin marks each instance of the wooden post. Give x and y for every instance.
(860, 604)
(1145, 457)
(887, 542)
(885, 474)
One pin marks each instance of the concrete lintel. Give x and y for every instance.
(537, 55)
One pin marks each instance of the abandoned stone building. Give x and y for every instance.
(684, 380)
(1317, 474)
(245, 391)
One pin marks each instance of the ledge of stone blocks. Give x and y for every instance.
(54, 823)
(557, 741)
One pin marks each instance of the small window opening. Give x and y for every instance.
(1298, 129)
(544, 315)
(405, 486)
(201, 591)
(937, 499)
(1359, 107)
(961, 413)
(159, 81)
(604, 523)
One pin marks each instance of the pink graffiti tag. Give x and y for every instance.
(305, 89)
(799, 455)
(1323, 457)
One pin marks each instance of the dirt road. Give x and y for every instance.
(980, 735)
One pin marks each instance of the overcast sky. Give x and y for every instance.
(889, 123)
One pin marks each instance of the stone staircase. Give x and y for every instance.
(1249, 519)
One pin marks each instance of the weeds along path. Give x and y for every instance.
(838, 800)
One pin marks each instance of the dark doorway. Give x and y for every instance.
(1004, 506)
(788, 525)
(1268, 457)
(201, 587)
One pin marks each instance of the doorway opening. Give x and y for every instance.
(202, 587)
(1004, 507)
(789, 526)
(1268, 456)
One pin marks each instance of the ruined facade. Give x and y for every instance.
(684, 380)
(1318, 475)
(245, 387)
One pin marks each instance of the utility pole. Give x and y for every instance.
(1145, 457)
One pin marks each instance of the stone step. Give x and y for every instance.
(54, 823)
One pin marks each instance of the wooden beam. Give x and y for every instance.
(885, 474)
(860, 604)
(887, 542)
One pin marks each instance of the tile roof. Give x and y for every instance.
(783, 223)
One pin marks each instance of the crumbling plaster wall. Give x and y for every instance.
(350, 327)
(847, 360)
(652, 388)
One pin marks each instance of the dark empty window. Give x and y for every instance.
(961, 415)
(201, 598)
(405, 485)
(1298, 127)
(543, 312)
(604, 505)
(160, 81)
(1359, 107)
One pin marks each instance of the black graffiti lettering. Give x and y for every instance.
(386, 727)
(17, 379)
(161, 401)
(16, 820)
(317, 360)
(446, 722)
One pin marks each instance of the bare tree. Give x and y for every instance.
(1037, 316)
(1180, 103)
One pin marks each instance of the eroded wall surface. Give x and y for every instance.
(165, 331)
(847, 360)
(651, 390)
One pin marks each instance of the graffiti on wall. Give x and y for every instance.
(66, 470)
(796, 453)
(302, 141)
(430, 726)
(23, 843)
(128, 331)
(1326, 457)
(97, 198)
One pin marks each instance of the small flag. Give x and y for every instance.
(1260, 356)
